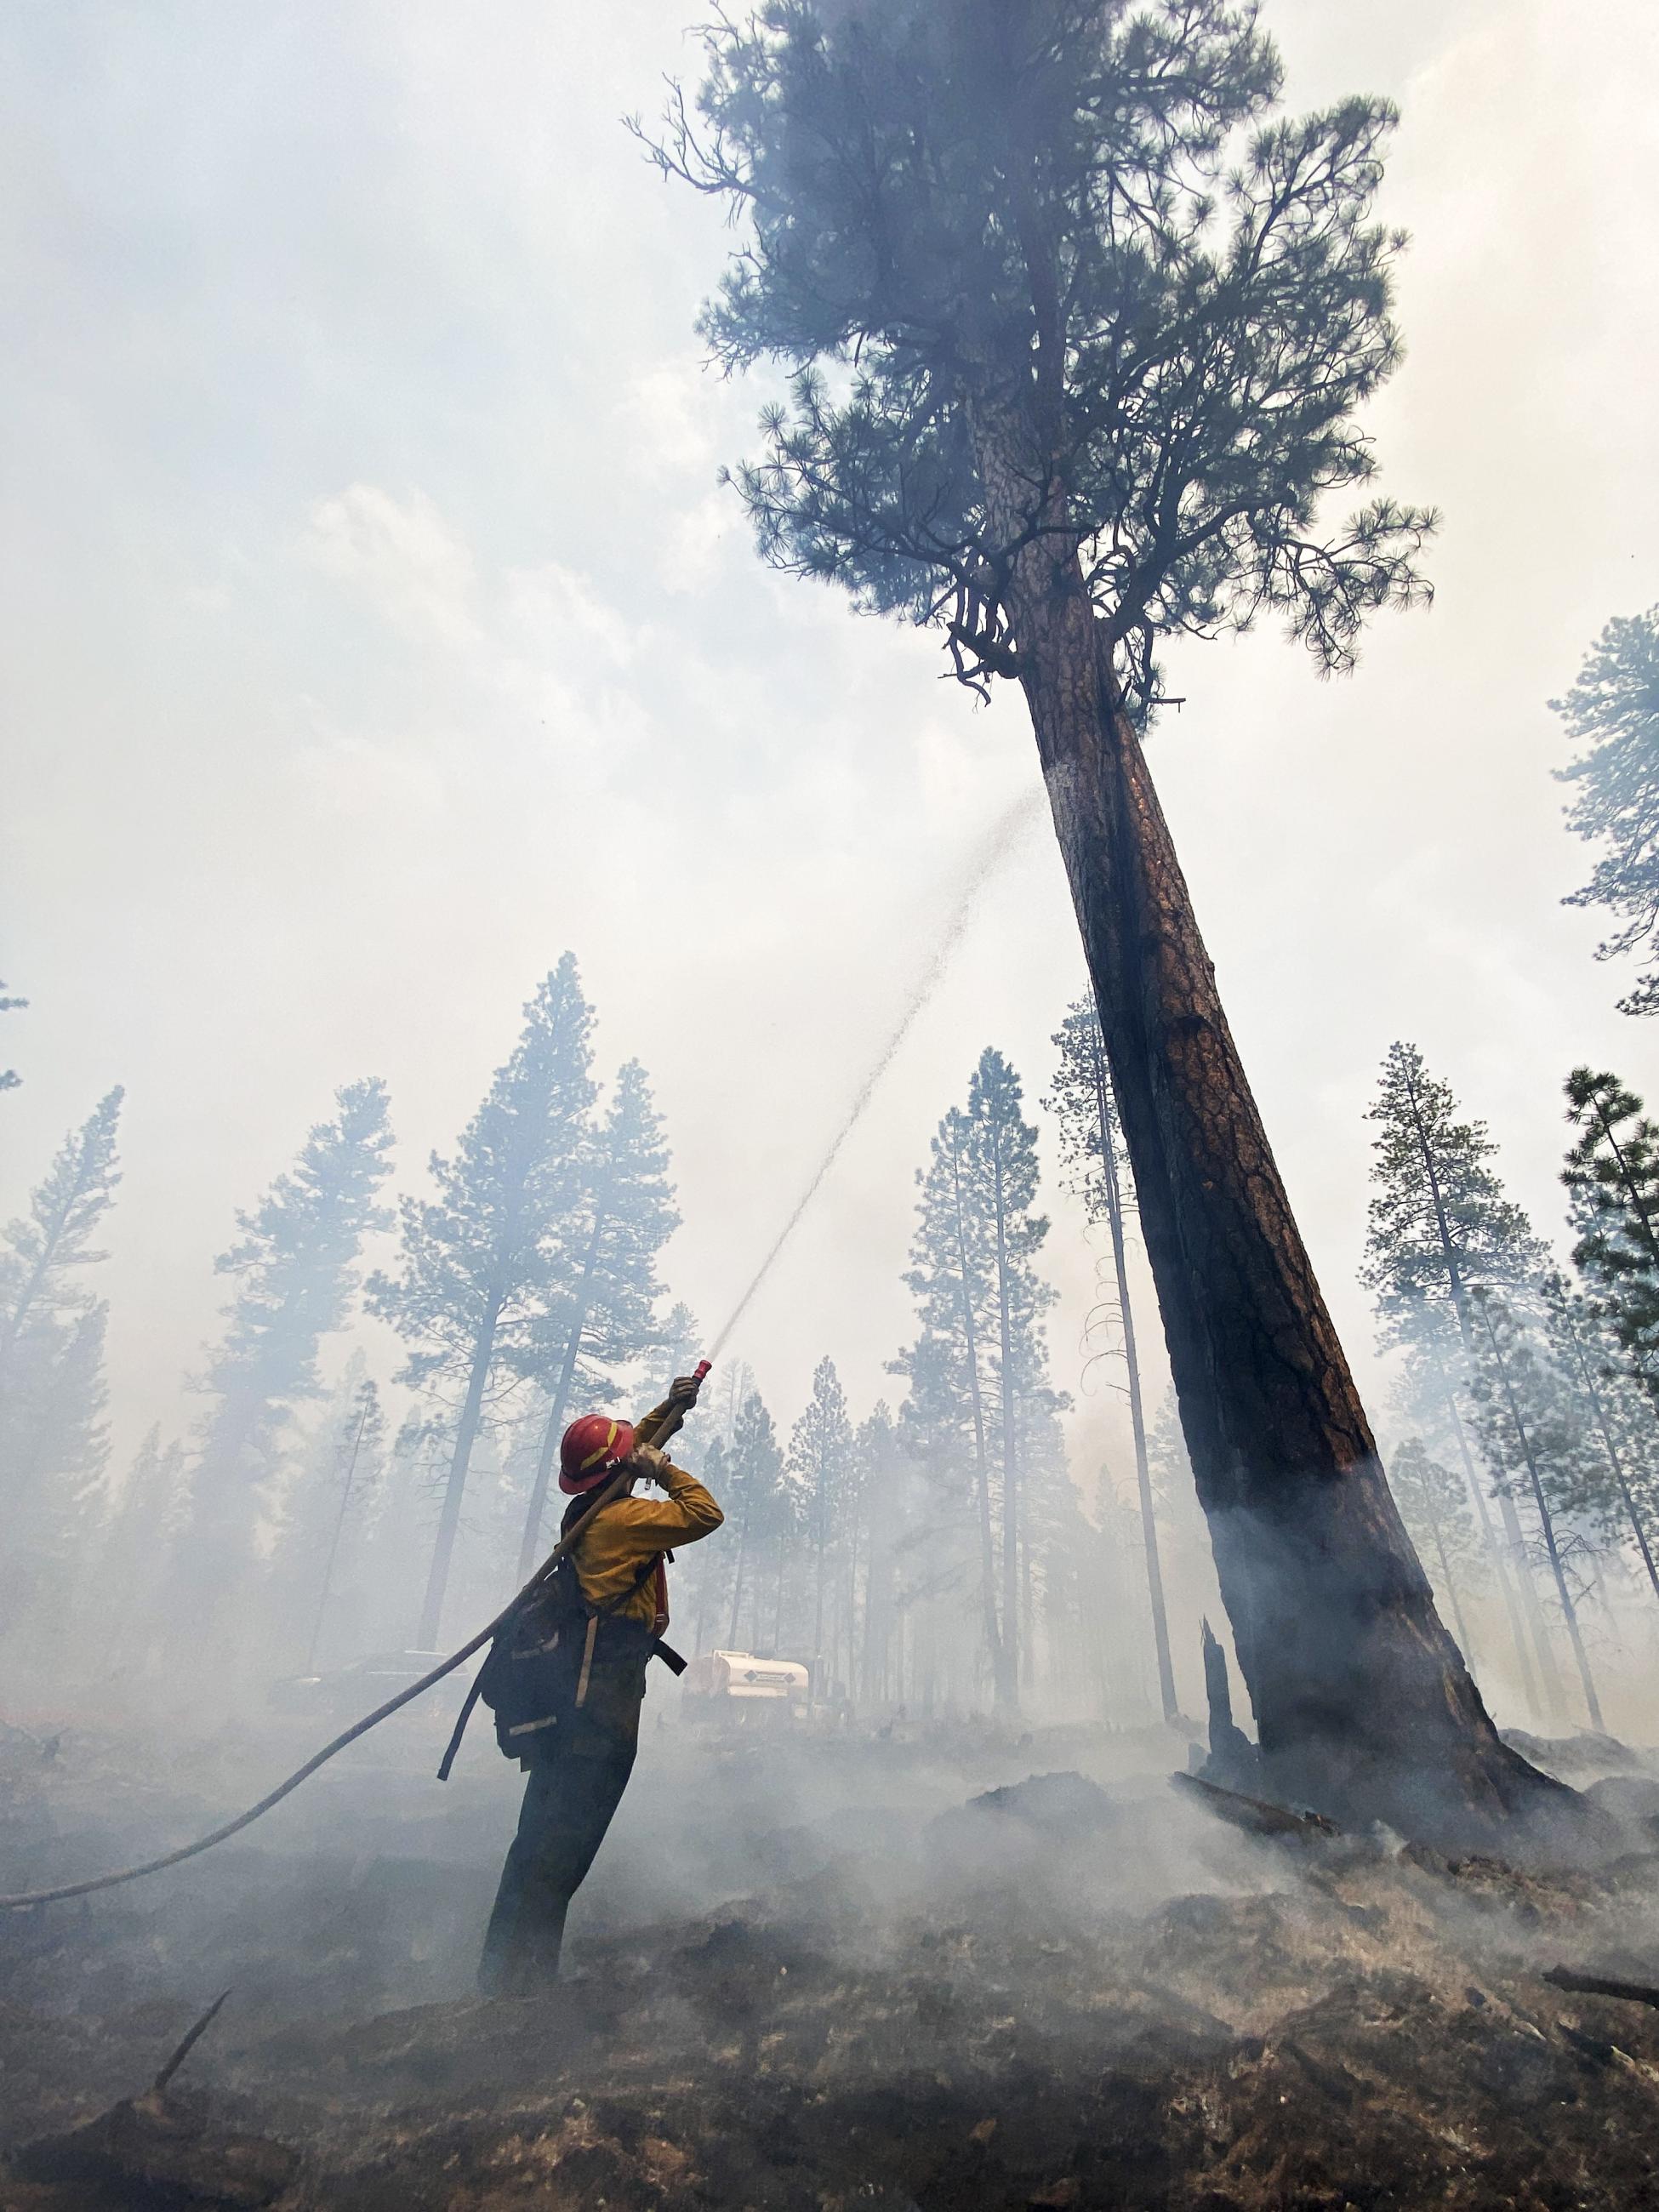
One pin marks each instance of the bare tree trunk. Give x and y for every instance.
(449, 1519)
(1363, 1702)
(1105, 1110)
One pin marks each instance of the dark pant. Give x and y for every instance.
(568, 1803)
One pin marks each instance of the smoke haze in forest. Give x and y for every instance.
(379, 633)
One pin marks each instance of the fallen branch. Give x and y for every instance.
(189, 2044)
(1254, 1815)
(1600, 1985)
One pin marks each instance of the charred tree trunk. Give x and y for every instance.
(1363, 1704)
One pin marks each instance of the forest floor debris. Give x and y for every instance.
(1117, 2001)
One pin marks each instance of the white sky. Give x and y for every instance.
(376, 631)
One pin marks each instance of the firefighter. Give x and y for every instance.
(576, 1783)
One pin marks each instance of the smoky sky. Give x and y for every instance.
(377, 630)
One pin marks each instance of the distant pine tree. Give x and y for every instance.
(760, 1510)
(601, 1318)
(822, 1461)
(141, 1525)
(1613, 713)
(53, 1440)
(480, 1261)
(1441, 1226)
(978, 1367)
(1434, 1505)
(1532, 1433)
(1098, 1165)
(1613, 1174)
(295, 1271)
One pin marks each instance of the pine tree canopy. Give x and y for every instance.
(1612, 711)
(293, 1261)
(479, 1258)
(44, 1252)
(604, 1283)
(1082, 219)
(1439, 1209)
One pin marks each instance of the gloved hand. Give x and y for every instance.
(683, 1390)
(646, 1460)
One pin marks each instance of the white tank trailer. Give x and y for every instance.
(737, 1686)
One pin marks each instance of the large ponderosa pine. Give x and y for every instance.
(1080, 330)
(1612, 711)
(1091, 1145)
(478, 1260)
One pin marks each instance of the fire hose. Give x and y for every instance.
(647, 1431)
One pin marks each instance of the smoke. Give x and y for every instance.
(982, 863)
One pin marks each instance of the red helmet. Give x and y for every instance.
(590, 1449)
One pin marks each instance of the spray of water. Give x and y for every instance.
(982, 865)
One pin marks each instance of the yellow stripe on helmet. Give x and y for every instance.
(603, 1452)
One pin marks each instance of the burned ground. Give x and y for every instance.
(819, 1976)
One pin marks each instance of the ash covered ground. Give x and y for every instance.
(817, 1972)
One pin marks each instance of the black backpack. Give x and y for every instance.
(534, 1677)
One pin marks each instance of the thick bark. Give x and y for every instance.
(449, 1518)
(1166, 1688)
(1363, 1702)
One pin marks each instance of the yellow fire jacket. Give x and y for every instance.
(622, 1536)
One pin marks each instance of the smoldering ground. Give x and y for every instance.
(829, 1969)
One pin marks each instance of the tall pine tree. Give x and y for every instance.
(480, 1263)
(1110, 332)
(1096, 1160)
(821, 1460)
(977, 1369)
(293, 1268)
